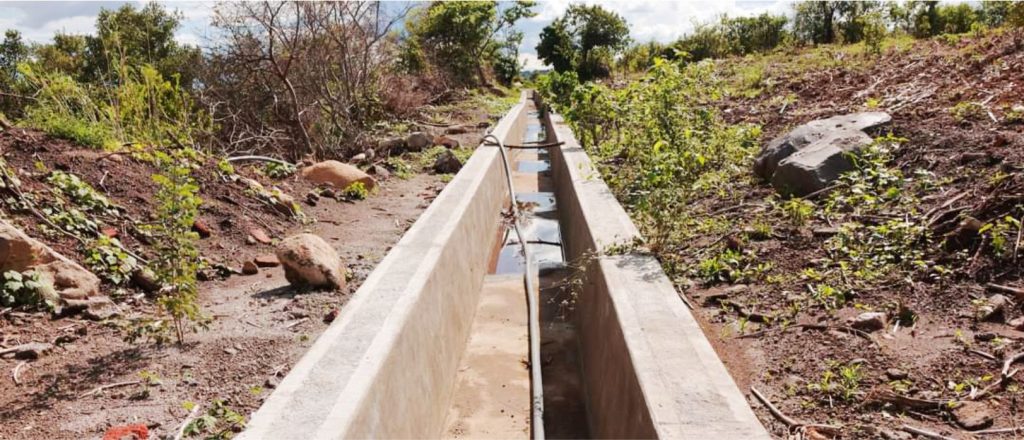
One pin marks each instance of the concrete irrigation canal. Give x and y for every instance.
(437, 341)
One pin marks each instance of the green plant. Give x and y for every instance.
(798, 211)
(71, 220)
(107, 258)
(178, 259)
(25, 289)
(225, 168)
(217, 423)
(966, 111)
(355, 191)
(1000, 233)
(827, 296)
(277, 170)
(839, 380)
(400, 167)
(81, 193)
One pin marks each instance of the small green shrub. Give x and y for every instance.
(798, 211)
(71, 220)
(839, 380)
(400, 167)
(276, 170)
(25, 289)
(81, 193)
(1002, 234)
(967, 111)
(107, 258)
(217, 423)
(355, 191)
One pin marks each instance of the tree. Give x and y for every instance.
(12, 51)
(67, 54)
(815, 21)
(585, 39)
(132, 37)
(461, 37)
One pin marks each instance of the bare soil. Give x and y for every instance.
(94, 380)
(918, 87)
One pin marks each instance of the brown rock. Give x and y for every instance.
(260, 236)
(973, 416)
(338, 174)
(146, 280)
(31, 350)
(418, 141)
(1017, 323)
(994, 308)
(201, 228)
(309, 261)
(446, 142)
(869, 321)
(250, 268)
(379, 171)
(266, 261)
(20, 252)
(331, 316)
(456, 129)
(391, 146)
(109, 231)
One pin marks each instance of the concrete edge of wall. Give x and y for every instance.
(386, 366)
(649, 369)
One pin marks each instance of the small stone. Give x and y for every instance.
(331, 316)
(267, 261)
(201, 228)
(32, 350)
(895, 374)
(109, 231)
(146, 280)
(272, 382)
(379, 171)
(869, 321)
(456, 129)
(249, 240)
(250, 268)
(260, 236)
(327, 192)
(231, 350)
(973, 416)
(1017, 323)
(359, 158)
(994, 308)
(312, 198)
(447, 142)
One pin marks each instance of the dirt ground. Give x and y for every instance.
(945, 354)
(94, 380)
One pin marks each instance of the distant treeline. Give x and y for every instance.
(825, 22)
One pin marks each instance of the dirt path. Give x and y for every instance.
(260, 328)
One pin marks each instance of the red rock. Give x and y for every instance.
(109, 231)
(331, 316)
(200, 227)
(260, 235)
(267, 261)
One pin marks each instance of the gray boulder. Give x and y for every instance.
(812, 155)
(447, 163)
(419, 141)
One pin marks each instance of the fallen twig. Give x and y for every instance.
(109, 386)
(924, 433)
(1009, 361)
(296, 322)
(983, 354)
(191, 415)
(789, 421)
(17, 370)
(259, 158)
(1015, 291)
(1012, 430)
(999, 383)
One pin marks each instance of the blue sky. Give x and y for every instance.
(648, 19)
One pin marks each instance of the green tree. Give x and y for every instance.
(66, 54)
(814, 21)
(133, 37)
(924, 16)
(12, 51)
(956, 19)
(585, 39)
(461, 37)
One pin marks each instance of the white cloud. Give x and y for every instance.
(529, 61)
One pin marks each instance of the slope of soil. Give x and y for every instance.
(93, 380)
(806, 360)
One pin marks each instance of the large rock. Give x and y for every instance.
(447, 163)
(812, 155)
(20, 252)
(339, 174)
(309, 261)
(419, 141)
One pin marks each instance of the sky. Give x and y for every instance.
(649, 20)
